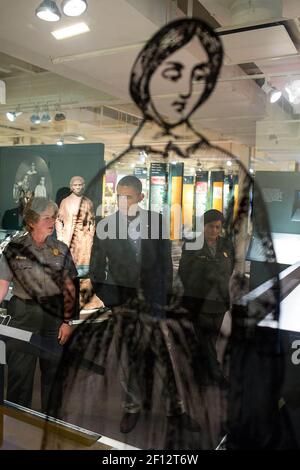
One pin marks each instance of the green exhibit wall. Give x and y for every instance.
(63, 162)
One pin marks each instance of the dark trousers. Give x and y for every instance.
(207, 328)
(22, 357)
(148, 350)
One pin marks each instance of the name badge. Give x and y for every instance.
(225, 254)
(20, 257)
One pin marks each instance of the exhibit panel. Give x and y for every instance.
(173, 184)
(280, 193)
(56, 164)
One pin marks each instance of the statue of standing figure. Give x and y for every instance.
(75, 226)
(75, 223)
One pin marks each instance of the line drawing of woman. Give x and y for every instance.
(185, 57)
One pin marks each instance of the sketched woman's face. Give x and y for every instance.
(178, 83)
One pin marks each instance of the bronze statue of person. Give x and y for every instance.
(75, 226)
(75, 223)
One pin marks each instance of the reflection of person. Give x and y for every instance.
(18, 191)
(117, 267)
(25, 183)
(32, 176)
(120, 268)
(24, 200)
(205, 274)
(40, 189)
(32, 170)
(12, 219)
(163, 59)
(75, 223)
(42, 272)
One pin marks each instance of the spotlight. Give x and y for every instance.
(199, 165)
(251, 171)
(48, 11)
(12, 115)
(35, 119)
(46, 117)
(60, 142)
(229, 163)
(273, 93)
(59, 117)
(74, 7)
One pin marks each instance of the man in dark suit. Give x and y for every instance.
(131, 272)
(130, 253)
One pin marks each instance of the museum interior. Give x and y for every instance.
(92, 111)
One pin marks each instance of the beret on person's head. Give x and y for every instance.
(213, 215)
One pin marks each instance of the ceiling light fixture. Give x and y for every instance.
(46, 117)
(59, 117)
(48, 11)
(12, 115)
(70, 31)
(229, 163)
(74, 7)
(35, 118)
(60, 142)
(275, 95)
(198, 165)
(271, 91)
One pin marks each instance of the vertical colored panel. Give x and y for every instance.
(236, 194)
(201, 193)
(175, 199)
(158, 186)
(227, 192)
(217, 182)
(188, 202)
(218, 196)
(142, 174)
(109, 205)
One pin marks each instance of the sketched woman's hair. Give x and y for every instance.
(169, 39)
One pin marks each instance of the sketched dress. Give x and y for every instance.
(167, 358)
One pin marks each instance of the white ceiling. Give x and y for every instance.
(84, 72)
